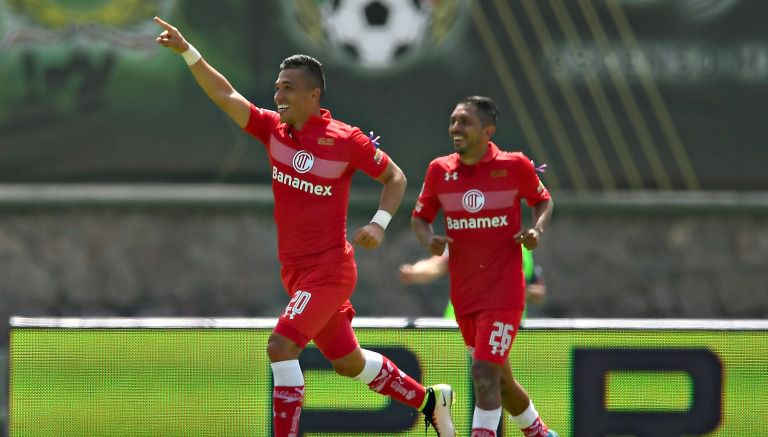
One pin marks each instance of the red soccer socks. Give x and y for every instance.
(383, 377)
(286, 410)
(537, 429)
(530, 423)
(287, 398)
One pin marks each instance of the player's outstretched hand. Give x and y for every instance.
(423, 271)
(437, 244)
(528, 238)
(369, 236)
(406, 274)
(171, 37)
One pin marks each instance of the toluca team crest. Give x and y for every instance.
(473, 200)
(303, 161)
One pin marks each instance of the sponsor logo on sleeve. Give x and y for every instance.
(378, 156)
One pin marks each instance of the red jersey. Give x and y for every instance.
(481, 205)
(311, 174)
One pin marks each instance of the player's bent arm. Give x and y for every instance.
(392, 192)
(423, 231)
(372, 234)
(541, 212)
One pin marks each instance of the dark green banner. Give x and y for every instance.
(612, 94)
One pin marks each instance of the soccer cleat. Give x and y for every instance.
(438, 410)
(539, 429)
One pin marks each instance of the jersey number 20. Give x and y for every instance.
(297, 304)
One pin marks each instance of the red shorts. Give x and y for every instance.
(490, 333)
(319, 309)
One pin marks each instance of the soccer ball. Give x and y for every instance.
(376, 33)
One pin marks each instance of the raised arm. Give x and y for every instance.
(215, 85)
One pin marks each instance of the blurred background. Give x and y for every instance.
(125, 192)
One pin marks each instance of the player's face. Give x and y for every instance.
(295, 98)
(467, 131)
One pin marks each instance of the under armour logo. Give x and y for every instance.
(451, 175)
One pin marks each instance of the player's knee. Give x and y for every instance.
(349, 366)
(275, 351)
(280, 348)
(344, 369)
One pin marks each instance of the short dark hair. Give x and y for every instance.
(486, 108)
(309, 65)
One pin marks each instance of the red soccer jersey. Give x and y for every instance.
(481, 204)
(311, 174)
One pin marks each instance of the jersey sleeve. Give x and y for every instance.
(531, 187)
(365, 156)
(428, 204)
(261, 123)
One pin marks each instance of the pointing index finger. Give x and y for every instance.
(165, 25)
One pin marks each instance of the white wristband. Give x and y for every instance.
(381, 218)
(191, 55)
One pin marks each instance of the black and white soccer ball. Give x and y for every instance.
(376, 33)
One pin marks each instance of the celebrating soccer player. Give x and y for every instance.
(312, 158)
(479, 189)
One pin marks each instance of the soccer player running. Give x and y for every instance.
(312, 158)
(479, 189)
